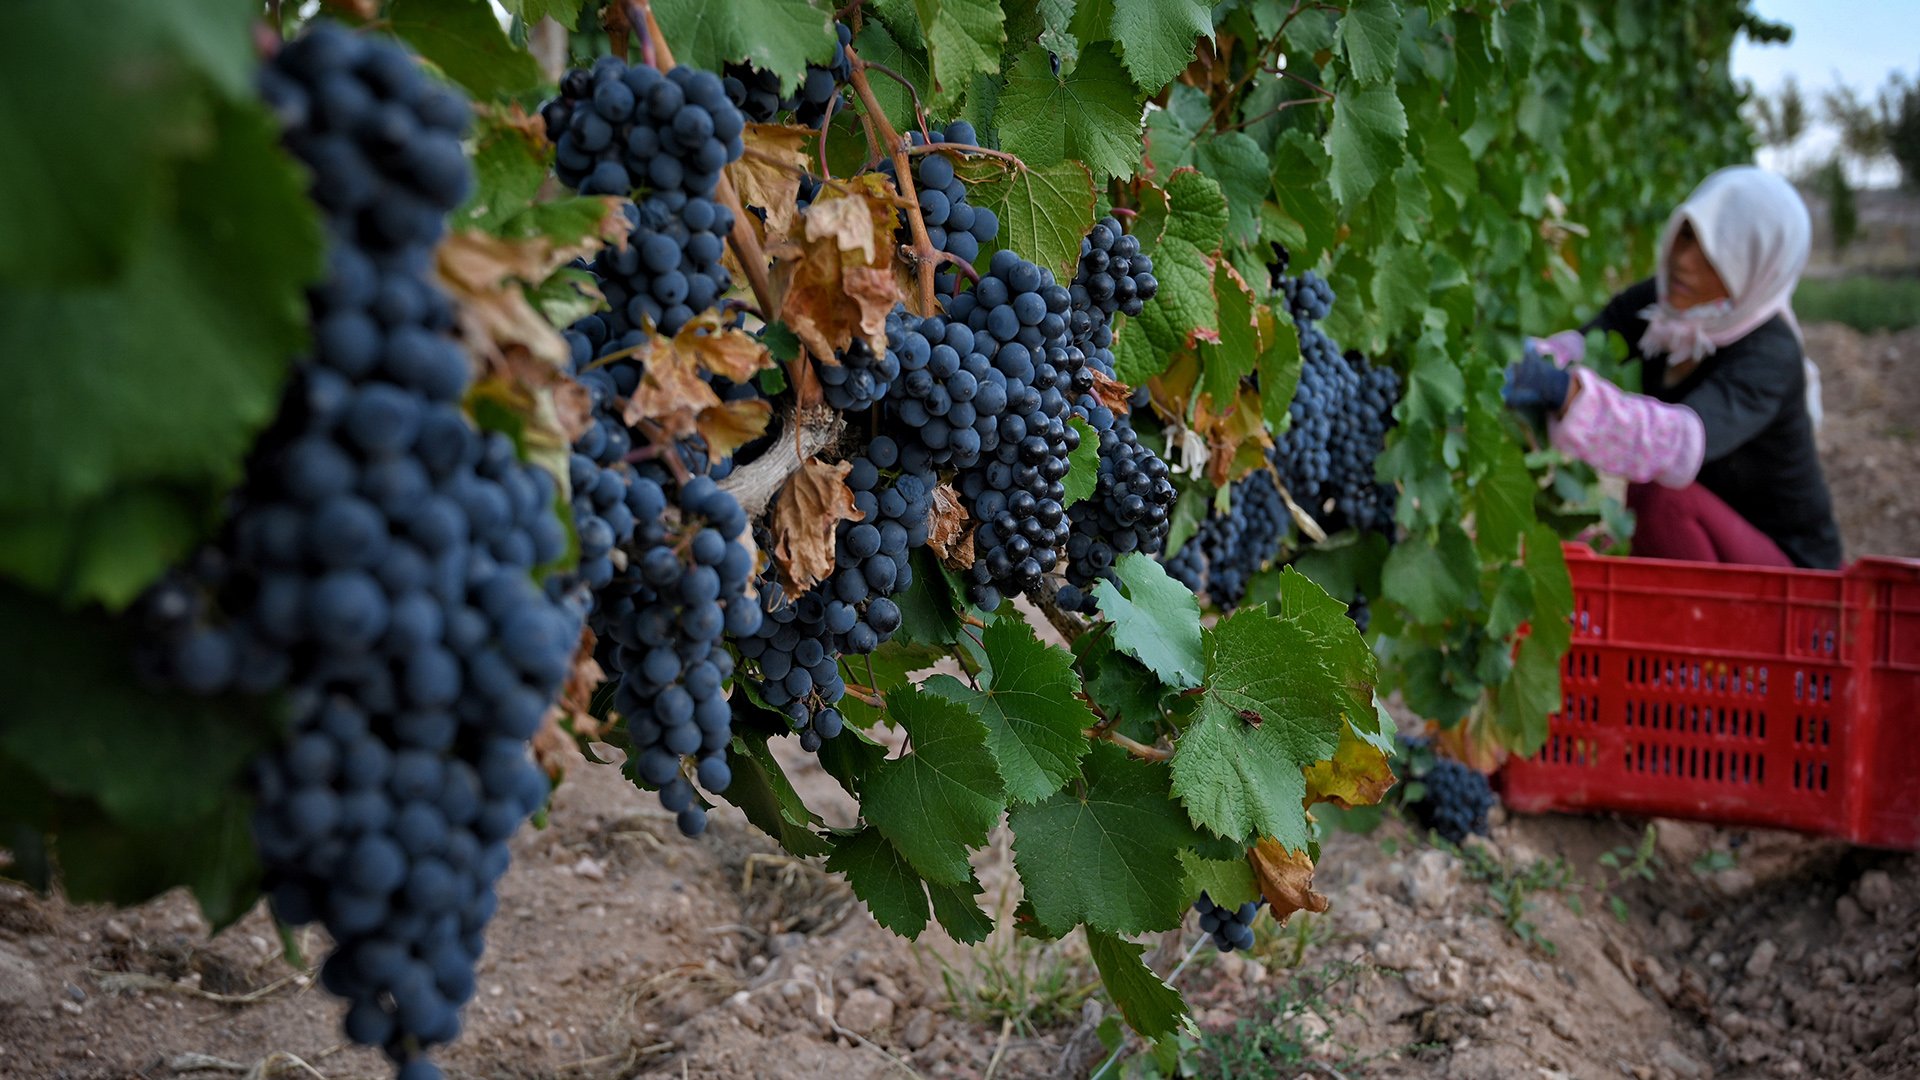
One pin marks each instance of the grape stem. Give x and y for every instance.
(919, 113)
(872, 699)
(755, 484)
(965, 267)
(1132, 746)
(923, 255)
(969, 148)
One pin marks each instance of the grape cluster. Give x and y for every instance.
(660, 625)
(861, 378)
(1227, 550)
(1018, 318)
(376, 567)
(1230, 928)
(1309, 298)
(1133, 494)
(798, 666)
(945, 410)
(604, 510)
(1113, 273)
(668, 271)
(757, 93)
(1341, 412)
(1455, 802)
(954, 225)
(617, 129)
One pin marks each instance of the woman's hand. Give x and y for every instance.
(1535, 383)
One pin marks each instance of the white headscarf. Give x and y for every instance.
(1754, 229)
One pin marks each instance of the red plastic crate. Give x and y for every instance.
(1738, 695)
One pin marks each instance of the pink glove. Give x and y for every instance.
(1564, 348)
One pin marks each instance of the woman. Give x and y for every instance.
(1719, 450)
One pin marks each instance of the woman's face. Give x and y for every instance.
(1691, 279)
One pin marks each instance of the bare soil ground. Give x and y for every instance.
(622, 950)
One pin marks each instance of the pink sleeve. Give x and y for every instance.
(1564, 348)
(1630, 435)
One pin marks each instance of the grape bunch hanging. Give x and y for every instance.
(391, 569)
(376, 569)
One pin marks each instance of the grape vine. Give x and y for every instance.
(729, 396)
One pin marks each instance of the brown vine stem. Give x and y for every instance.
(965, 267)
(1132, 746)
(755, 484)
(675, 465)
(925, 257)
(969, 148)
(871, 698)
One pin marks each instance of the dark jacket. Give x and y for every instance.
(1751, 398)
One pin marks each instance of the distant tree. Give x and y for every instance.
(1902, 105)
(1781, 120)
(1842, 215)
(1888, 126)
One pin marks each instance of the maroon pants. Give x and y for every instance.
(1693, 523)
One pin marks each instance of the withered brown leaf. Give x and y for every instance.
(949, 529)
(812, 504)
(1285, 878)
(768, 175)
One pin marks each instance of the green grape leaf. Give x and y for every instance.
(1512, 602)
(1238, 769)
(882, 879)
(780, 36)
(88, 169)
(1435, 388)
(1367, 140)
(113, 861)
(1502, 496)
(939, 800)
(876, 45)
(1156, 37)
(1183, 260)
(206, 317)
(1530, 694)
(1279, 369)
(1044, 210)
(1432, 580)
(761, 790)
(963, 39)
(508, 169)
(1148, 1004)
(464, 39)
(70, 721)
(958, 909)
(1155, 619)
(1083, 464)
(1370, 34)
(852, 758)
(1036, 722)
(1224, 362)
(1227, 882)
(1091, 114)
(1107, 852)
(927, 615)
(1300, 164)
(885, 669)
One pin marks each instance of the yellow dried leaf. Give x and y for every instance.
(1112, 393)
(1285, 879)
(1358, 774)
(949, 529)
(836, 280)
(733, 424)
(812, 504)
(723, 350)
(768, 174)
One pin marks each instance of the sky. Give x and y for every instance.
(1855, 42)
